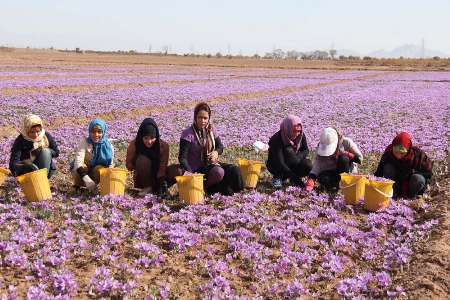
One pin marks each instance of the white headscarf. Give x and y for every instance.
(28, 122)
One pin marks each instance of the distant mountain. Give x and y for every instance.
(407, 51)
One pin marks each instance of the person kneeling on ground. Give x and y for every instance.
(33, 149)
(92, 154)
(407, 165)
(336, 154)
(148, 156)
(200, 148)
(288, 151)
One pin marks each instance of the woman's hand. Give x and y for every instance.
(213, 157)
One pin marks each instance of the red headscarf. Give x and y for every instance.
(404, 139)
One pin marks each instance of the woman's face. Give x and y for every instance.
(399, 155)
(96, 134)
(297, 129)
(148, 141)
(34, 132)
(202, 119)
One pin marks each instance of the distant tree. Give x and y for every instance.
(208, 55)
(436, 58)
(292, 54)
(278, 54)
(256, 55)
(367, 58)
(165, 49)
(218, 55)
(332, 53)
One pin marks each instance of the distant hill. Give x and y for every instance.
(407, 51)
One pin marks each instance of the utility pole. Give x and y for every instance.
(423, 48)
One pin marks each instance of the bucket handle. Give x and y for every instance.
(389, 195)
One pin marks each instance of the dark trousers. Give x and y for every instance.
(43, 160)
(300, 169)
(330, 178)
(416, 183)
(230, 182)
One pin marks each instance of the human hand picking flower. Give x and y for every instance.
(309, 185)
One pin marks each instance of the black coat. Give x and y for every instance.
(21, 150)
(282, 157)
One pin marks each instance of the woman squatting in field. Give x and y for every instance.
(288, 152)
(200, 148)
(33, 149)
(148, 156)
(92, 154)
(407, 165)
(335, 154)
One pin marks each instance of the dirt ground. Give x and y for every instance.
(52, 57)
(428, 276)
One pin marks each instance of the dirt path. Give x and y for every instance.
(9, 130)
(50, 89)
(429, 274)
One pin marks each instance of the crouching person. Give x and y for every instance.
(407, 165)
(288, 151)
(33, 149)
(148, 156)
(336, 154)
(92, 154)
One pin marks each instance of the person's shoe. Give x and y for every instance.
(277, 183)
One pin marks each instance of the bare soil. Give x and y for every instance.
(52, 57)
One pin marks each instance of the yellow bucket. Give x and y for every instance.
(35, 185)
(378, 194)
(250, 170)
(352, 186)
(112, 181)
(3, 175)
(190, 188)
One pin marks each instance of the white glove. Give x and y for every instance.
(89, 183)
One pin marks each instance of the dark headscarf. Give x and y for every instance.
(148, 127)
(204, 136)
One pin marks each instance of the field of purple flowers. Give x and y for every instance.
(255, 245)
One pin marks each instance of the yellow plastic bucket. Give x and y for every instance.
(35, 185)
(353, 187)
(250, 170)
(3, 175)
(112, 181)
(190, 188)
(377, 194)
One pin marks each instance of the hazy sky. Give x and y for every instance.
(209, 26)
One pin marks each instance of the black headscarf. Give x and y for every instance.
(148, 127)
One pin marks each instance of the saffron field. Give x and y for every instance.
(261, 244)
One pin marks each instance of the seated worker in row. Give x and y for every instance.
(33, 149)
(336, 154)
(407, 165)
(288, 152)
(148, 156)
(200, 147)
(93, 153)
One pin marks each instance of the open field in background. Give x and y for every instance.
(257, 244)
